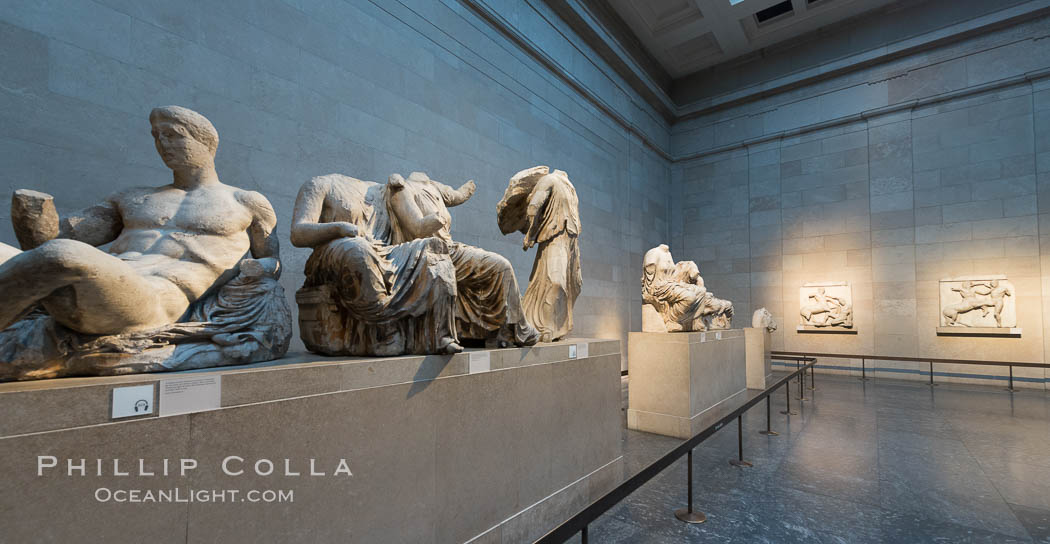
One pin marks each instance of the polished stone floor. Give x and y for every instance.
(885, 461)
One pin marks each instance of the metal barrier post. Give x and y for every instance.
(687, 514)
(1011, 387)
(787, 395)
(768, 431)
(863, 370)
(739, 461)
(931, 375)
(813, 377)
(801, 380)
(583, 535)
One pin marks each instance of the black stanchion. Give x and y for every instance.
(863, 370)
(813, 378)
(769, 431)
(931, 375)
(739, 461)
(583, 535)
(787, 395)
(687, 514)
(1010, 388)
(801, 380)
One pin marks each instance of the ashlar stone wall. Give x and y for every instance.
(891, 185)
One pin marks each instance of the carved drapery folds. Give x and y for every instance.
(386, 278)
(544, 207)
(674, 297)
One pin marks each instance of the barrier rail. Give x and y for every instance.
(579, 522)
(799, 355)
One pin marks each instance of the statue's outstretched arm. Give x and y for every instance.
(307, 229)
(36, 221)
(455, 197)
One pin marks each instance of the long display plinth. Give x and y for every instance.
(484, 446)
(676, 377)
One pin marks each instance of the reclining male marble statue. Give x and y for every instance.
(385, 277)
(675, 299)
(189, 279)
(544, 207)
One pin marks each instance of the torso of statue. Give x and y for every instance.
(348, 200)
(189, 238)
(428, 198)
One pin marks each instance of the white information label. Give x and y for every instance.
(703, 337)
(718, 336)
(572, 351)
(583, 350)
(190, 394)
(480, 361)
(136, 400)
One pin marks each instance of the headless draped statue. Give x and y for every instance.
(386, 278)
(189, 280)
(544, 207)
(674, 297)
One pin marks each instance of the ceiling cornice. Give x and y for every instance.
(581, 16)
(494, 19)
(607, 34)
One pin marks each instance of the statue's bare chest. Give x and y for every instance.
(205, 211)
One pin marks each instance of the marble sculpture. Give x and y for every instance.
(386, 278)
(544, 207)
(826, 305)
(762, 319)
(189, 279)
(978, 302)
(674, 297)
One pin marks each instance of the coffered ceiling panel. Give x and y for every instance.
(686, 36)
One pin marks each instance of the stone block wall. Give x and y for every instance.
(890, 178)
(366, 88)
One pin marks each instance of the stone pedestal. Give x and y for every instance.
(492, 445)
(675, 377)
(759, 363)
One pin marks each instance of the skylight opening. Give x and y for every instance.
(775, 11)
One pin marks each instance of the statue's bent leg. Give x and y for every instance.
(86, 289)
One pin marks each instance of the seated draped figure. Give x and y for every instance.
(189, 279)
(674, 297)
(386, 278)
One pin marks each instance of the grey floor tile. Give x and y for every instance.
(1036, 520)
(877, 461)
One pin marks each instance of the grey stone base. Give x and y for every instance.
(676, 377)
(759, 362)
(536, 520)
(498, 447)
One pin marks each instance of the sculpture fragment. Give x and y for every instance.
(386, 278)
(978, 302)
(826, 305)
(762, 319)
(544, 207)
(189, 279)
(674, 297)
